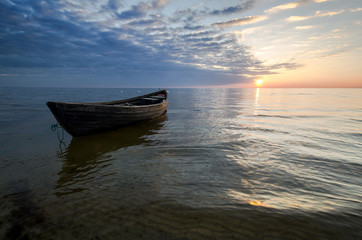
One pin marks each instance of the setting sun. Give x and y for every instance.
(259, 82)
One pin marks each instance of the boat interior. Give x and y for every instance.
(149, 100)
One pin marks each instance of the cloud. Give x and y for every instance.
(356, 10)
(234, 9)
(282, 7)
(292, 5)
(312, 1)
(317, 14)
(160, 3)
(303, 27)
(136, 11)
(328, 13)
(37, 37)
(141, 9)
(287, 66)
(109, 39)
(115, 4)
(337, 51)
(144, 22)
(240, 21)
(298, 18)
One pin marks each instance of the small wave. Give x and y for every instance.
(266, 130)
(311, 116)
(271, 116)
(356, 120)
(356, 134)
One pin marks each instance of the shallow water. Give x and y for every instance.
(221, 164)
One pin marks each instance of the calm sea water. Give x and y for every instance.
(221, 164)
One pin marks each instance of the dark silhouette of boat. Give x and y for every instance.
(80, 119)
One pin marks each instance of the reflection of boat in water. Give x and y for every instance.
(88, 154)
(80, 119)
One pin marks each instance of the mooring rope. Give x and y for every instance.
(53, 127)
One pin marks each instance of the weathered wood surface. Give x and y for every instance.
(80, 119)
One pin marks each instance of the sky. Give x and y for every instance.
(181, 43)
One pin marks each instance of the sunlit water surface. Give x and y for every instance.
(221, 164)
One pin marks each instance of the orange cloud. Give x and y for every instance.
(240, 21)
(282, 7)
(317, 14)
(292, 5)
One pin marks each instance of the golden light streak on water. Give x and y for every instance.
(257, 203)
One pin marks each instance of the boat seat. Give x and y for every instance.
(147, 101)
(158, 97)
(150, 99)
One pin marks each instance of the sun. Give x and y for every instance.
(259, 82)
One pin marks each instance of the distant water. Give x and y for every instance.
(221, 164)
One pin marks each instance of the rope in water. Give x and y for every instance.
(53, 127)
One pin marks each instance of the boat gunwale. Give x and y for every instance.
(115, 103)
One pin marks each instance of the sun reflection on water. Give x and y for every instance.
(257, 203)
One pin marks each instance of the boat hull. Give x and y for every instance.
(80, 119)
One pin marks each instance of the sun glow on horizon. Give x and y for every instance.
(259, 83)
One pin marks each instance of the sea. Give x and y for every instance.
(252, 163)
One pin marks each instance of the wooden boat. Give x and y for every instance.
(80, 119)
